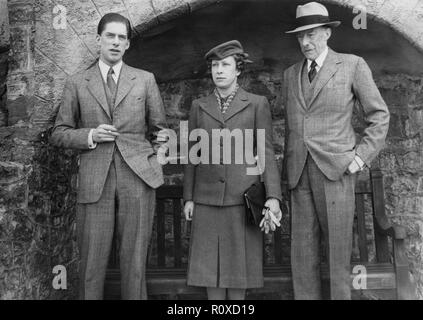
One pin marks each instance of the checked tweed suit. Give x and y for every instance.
(320, 144)
(116, 180)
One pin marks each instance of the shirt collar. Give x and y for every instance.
(319, 60)
(104, 69)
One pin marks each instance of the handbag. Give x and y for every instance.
(254, 199)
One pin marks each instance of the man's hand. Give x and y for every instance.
(188, 210)
(105, 133)
(163, 136)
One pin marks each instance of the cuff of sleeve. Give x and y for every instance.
(91, 143)
(276, 197)
(360, 162)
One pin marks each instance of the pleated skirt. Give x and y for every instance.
(225, 251)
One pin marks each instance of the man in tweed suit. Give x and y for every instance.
(113, 113)
(322, 155)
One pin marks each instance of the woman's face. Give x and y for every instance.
(224, 72)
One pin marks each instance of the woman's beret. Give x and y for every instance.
(225, 50)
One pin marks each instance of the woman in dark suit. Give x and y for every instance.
(225, 250)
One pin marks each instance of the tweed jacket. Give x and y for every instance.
(138, 116)
(224, 184)
(323, 127)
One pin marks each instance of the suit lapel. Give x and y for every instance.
(125, 84)
(96, 87)
(298, 89)
(211, 107)
(330, 66)
(239, 103)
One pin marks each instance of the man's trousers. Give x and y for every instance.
(322, 210)
(126, 207)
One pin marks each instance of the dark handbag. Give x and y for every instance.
(254, 199)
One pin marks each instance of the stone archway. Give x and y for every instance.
(55, 53)
(43, 55)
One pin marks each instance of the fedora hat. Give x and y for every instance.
(312, 15)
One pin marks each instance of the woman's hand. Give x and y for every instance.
(273, 205)
(272, 216)
(188, 210)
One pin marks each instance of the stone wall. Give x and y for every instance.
(402, 163)
(4, 57)
(37, 198)
(36, 181)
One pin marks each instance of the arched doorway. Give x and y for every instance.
(172, 37)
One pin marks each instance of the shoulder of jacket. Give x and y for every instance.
(142, 72)
(202, 100)
(349, 57)
(290, 68)
(290, 71)
(255, 97)
(80, 75)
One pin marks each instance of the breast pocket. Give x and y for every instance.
(335, 95)
(336, 83)
(135, 106)
(137, 99)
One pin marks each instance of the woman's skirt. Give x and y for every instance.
(225, 251)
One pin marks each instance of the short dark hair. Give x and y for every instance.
(114, 17)
(241, 61)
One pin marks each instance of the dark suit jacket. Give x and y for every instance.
(138, 115)
(224, 184)
(323, 127)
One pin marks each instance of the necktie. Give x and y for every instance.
(111, 82)
(312, 73)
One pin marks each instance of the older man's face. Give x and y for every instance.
(313, 41)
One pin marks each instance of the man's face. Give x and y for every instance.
(113, 42)
(224, 72)
(313, 41)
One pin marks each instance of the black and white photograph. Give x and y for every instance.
(233, 151)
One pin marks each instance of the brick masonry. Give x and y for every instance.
(37, 181)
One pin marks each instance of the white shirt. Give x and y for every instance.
(319, 60)
(104, 70)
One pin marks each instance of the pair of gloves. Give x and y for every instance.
(270, 220)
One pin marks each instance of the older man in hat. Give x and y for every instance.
(322, 155)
